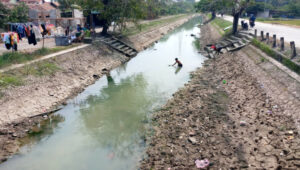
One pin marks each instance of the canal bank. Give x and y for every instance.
(122, 99)
(237, 112)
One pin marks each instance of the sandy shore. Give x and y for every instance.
(228, 115)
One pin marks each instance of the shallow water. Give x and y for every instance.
(104, 127)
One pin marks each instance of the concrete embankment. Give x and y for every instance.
(74, 71)
(238, 111)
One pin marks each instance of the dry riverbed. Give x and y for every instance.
(49, 84)
(224, 115)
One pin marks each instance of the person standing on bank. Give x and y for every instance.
(177, 62)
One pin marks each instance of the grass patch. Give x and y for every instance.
(151, 24)
(209, 16)
(10, 58)
(197, 44)
(10, 80)
(40, 69)
(221, 24)
(269, 51)
(293, 22)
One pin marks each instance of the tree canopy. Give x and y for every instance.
(122, 11)
(234, 7)
(17, 14)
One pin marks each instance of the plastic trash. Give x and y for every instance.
(243, 123)
(224, 81)
(201, 164)
(290, 137)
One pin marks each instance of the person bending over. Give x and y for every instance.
(177, 62)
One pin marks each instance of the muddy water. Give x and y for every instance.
(105, 126)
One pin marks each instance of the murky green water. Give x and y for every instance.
(104, 127)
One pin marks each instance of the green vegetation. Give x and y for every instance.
(17, 14)
(150, 24)
(269, 51)
(293, 22)
(235, 8)
(121, 12)
(40, 69)
(16, 78)
(197, 44)
(10, 80)
(221, 24)
(10, 58)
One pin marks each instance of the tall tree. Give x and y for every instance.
(19, 13)
(238, 6)
(4, 14)
(235, 6)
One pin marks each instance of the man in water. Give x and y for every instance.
(177, 62)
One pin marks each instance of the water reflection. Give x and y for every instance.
(104, 127)
(178, 70)
(111, 117)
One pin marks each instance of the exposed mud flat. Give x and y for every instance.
(22, 107)
(223, 115)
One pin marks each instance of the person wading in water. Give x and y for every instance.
(177, 62)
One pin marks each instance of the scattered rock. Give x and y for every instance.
(192, 140)
(95, 76)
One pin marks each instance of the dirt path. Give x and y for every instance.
(16, 66)
(233, 113)
(76, 70)
(23, 46)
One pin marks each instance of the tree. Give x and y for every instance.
(235, 6)
(117, 11)
(19, 13)
(4, 14)
(294, 8)
(238, 6)
(208, 6)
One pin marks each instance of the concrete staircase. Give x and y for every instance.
(118, 45)
(229, 44)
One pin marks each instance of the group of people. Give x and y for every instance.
(251, 22)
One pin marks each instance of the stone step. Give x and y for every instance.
(236, 45)
(235, 38)
(120, 46)
(125, 48)
(230, 40)
(111, 42)
(246, 40)
(246, 36)
(128, 51)
(225, 44)
(235, 48)
(107, 39)
(132, 54)
(115, 44)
